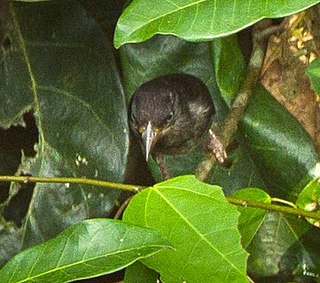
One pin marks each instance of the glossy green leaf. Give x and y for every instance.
(197, 20)
(85, 250)
(309, 199)
(313, 71)
(139, 273)
(199, 223)
(282, 151)
(284, 248)
(61, 65)
(250, 218)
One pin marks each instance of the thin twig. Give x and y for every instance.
(274, 207)
(122, 208)
(136, 189)
(70, 180)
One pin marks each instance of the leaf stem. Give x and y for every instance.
(136, 189)
(274, 207)
(71, 180)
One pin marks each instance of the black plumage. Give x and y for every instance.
(171, 114)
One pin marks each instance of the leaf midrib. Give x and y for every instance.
(63, 267)
(197, 231)
(161, 16)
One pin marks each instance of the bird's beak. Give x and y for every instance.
(149, 138)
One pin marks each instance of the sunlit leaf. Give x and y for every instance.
(197, 20)
(199, 223)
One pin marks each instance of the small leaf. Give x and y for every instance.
(85, 250)
(313, 71)
(229, 66)
(200, 224)
(197, 20)
(250, 218)
(309, 199)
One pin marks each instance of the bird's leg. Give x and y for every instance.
(161, 160)
(217, 147)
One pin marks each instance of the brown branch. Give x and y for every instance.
(261, 32)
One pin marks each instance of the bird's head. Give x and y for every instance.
(152, 115)
(171, 114)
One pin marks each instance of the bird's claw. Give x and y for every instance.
(217, 147)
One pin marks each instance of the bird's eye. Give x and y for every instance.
(170, 117)
(133, 121)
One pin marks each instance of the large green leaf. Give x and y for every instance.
(199, 223)
(197, 20)
(282, 151)
(84, 250)
(60, 64)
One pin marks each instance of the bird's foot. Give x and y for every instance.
(163, 167)
(217, 147)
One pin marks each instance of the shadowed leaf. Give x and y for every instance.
(84, 250)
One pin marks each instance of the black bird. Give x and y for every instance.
(173, 114)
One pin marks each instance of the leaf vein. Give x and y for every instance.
(201, 236)
(161, 16)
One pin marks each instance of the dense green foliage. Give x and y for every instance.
(59, 64)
